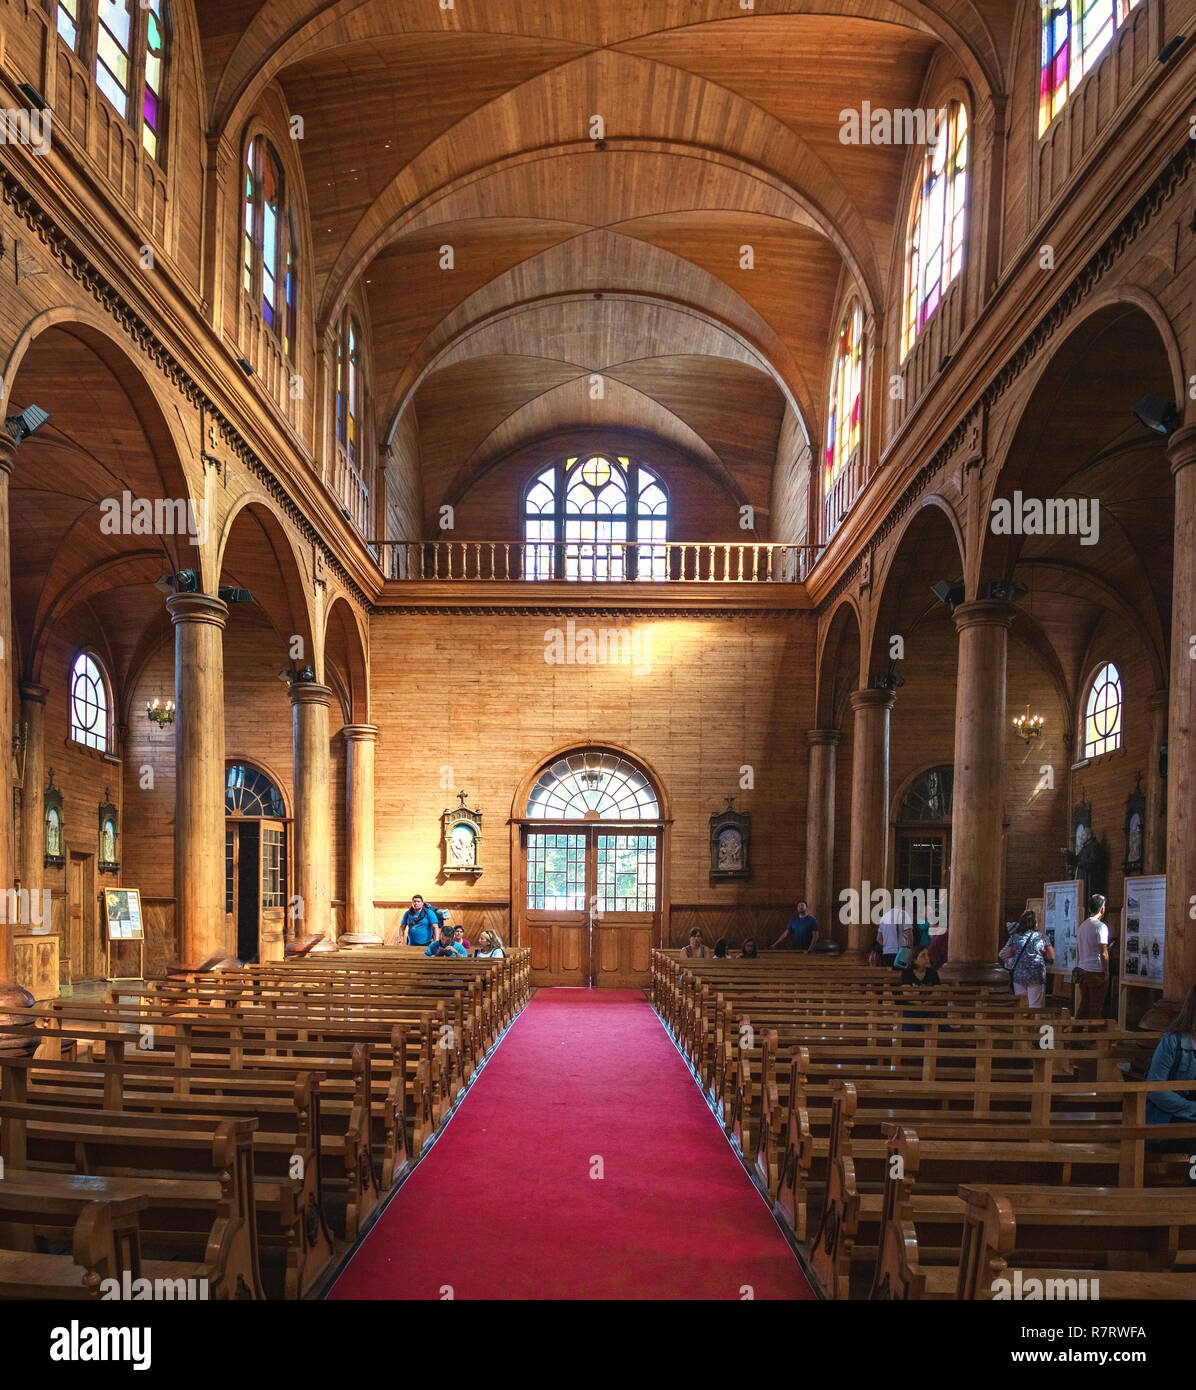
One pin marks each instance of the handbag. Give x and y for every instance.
(1077, 974)
(901, 959)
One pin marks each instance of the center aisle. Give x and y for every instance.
(583, 1164)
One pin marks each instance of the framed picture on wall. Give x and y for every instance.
(122, 914)
(730, 837)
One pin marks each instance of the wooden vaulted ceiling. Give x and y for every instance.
(470, 127)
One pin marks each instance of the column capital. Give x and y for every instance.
(8, 449)
(360, 733)
(872, 699)
(197, 608)
(829, 738)
(33, 693)
(309, 693)
(984, 612)
(1181, 448)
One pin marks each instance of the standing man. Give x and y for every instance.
(801, 934)
(419, 923)
(1092, 960)
(893, 933)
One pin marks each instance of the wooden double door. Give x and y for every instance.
(590, 899)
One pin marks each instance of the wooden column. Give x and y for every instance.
(11, 994)
(1179, 963)
(313, 795)
(360, 740)
(199, 823)
(869, 807)
(975, 902)
(32, 846)
(1155, 853)
(820, 826)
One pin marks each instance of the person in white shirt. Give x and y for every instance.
(490, 946)
(1092, 958)
(893, 933)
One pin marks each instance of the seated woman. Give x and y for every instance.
(920, 971)
(748, 951)
(459, 938)
(490, 946)
(696, 946)
(1174, 1060)
(720, 948)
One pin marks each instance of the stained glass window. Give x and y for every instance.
(113, 47)
(268, 254)
(1074, 35)
(1102, 719)
(934, 249)
(153, 102)
(581, 522)
(604, 783)
(844, 411)
(89, 703)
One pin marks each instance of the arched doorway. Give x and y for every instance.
(923, 832)
(589, 849)
(255, 863)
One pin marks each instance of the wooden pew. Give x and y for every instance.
(104, 1239)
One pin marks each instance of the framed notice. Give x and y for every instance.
(122, 913)
(1060, 918)
(1145, 925)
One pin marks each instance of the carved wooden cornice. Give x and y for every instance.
(958, 442)
(77, 264)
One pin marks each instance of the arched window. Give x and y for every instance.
(350, 387)
(580, 515)
(593, 783)
(934, 247)
(1102, 712)
(269, 258)
(843, 418)
(89, 703)
(249, 792)
(1074, 35)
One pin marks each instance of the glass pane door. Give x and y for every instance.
(627, 873)
(556, 872)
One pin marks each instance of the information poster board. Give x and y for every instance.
(1060, 918)
(1145, 927)
(122, 913)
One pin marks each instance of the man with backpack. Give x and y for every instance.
(420, 923)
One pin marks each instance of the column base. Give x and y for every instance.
(22, 1044)
(972, 972)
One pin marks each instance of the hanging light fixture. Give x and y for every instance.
(159, 711)
(1029, 726)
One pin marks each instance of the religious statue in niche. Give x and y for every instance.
(730, 832)
(461, 839)
(1088, 860)
(109, 863)
(1135, 828)
(52, 851)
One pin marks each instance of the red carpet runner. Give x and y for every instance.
(504, 1206)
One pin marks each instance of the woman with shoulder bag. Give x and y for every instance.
(1029, 953)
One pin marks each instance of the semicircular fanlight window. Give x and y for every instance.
(604, 783)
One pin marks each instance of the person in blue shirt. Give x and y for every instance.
(419, 923)
(445, 945)
(801, 934)
(1174, 1060)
